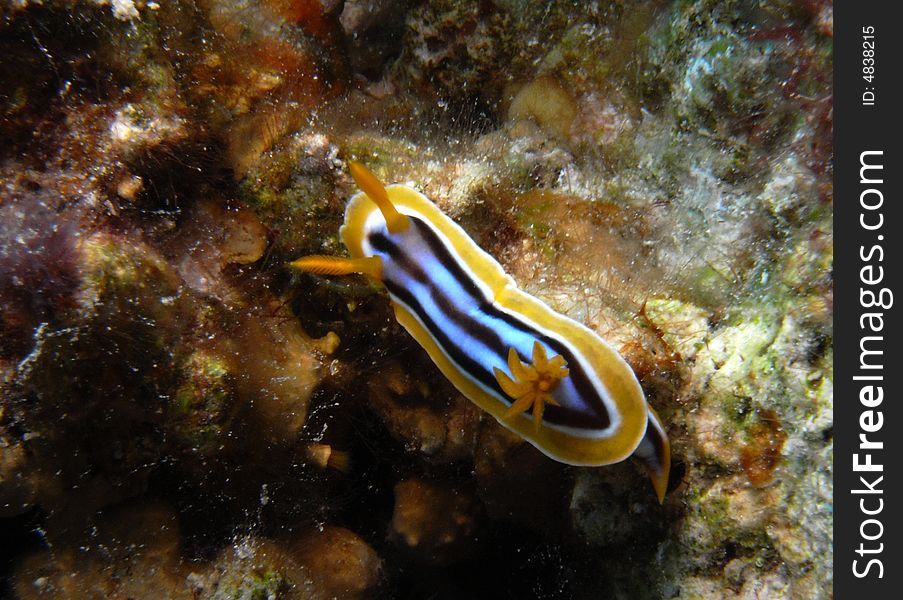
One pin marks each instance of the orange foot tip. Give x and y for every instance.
(532, 384)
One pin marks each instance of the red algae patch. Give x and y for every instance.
(761, 454)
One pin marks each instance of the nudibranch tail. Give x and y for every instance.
(336, 265)
(533, 384)
(374, 189)
(654, 452)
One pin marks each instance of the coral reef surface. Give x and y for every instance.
(183, 416)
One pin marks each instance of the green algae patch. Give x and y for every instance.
(202, 405)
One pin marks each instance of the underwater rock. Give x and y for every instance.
(279, 380)
(86, 380)
(203, 406)
(718, 78)
(293, 191)
(546, 102)
(432, 521)
(341, 564)
(132, 552)
(179, 373)
(17, 489)
(442, 427)
(766, 421)
(517, 483)
(39, 271)
(374, 30)
(334, 563)
(452, 48)
(213, 237)
(129, 279)
(133, 131)
(250, 568)
(272, 63)
(612, 509)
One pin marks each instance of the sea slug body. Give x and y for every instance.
(539, 373)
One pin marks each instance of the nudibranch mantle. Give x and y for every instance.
(468, 314)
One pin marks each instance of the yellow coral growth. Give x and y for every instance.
(546, 102)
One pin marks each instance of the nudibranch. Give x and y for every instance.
(541, 374)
